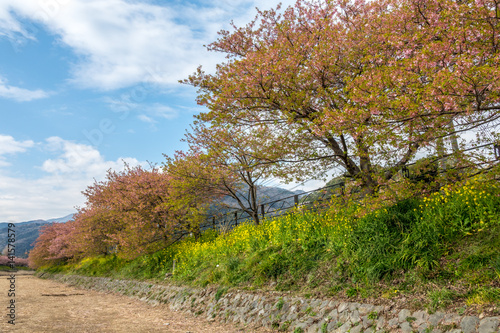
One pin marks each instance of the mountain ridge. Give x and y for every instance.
(63, 219)
(26, 233)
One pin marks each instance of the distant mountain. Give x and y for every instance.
(265, 194)
(26, 234)
(62, 219)
(57, 220)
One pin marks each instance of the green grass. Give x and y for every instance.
(220, 292)
(419, 245)
(8, 268)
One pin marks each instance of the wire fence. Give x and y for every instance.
(318, 198)
(310, 199)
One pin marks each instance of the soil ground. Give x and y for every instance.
(49, 306)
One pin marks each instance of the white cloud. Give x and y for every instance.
(163, 111)
(122, 43)
(10, 27)
(58, 190)
(148, 113)
(152, 114)
(80, 159)
(146, 119)
(20, 94)
(8, 145)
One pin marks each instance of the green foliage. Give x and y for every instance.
(99, 266)
(484, 295)
(372, 248)
(21, 268)
(284, 327)
(453, 235)
(220, 292)
(496, 266)
(310, 312)
(415, 233)
(280, 303)
(352, 292)
(441, 298)
(373, 315)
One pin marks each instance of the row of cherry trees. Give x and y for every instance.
(131, 213)
(362, 86)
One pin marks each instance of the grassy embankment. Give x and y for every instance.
(9, 269)
(435, 252)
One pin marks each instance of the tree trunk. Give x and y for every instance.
(254, 207)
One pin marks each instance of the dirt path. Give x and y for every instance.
(48, 306)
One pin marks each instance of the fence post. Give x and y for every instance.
(236, 218)
(262, 210)
(496, 149)
(405, 171)
(213, 222)
(296, 200)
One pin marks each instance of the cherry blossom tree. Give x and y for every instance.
(194, 187)
(222, 162)
(371, 82)
(131, 213)
(55, 244)
(5, 261)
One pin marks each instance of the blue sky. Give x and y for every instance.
(85, 84)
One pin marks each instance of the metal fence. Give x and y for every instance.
(311, 200)
(318, 198)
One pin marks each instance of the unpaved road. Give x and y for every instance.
(49, 306)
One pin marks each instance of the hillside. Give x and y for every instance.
(436, 252)
(26, 234)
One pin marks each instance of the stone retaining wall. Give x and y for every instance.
(287, 314)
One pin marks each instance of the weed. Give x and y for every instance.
(324, 327)
(352, 292)
(334, 290)
(220, 292)
(484, 295)
(280, 303)
(284, 327)
(298, 330)
(309, 311)
(448, 327)
(496, 266)
(441, 298)
(373, 315)
(390, 293)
